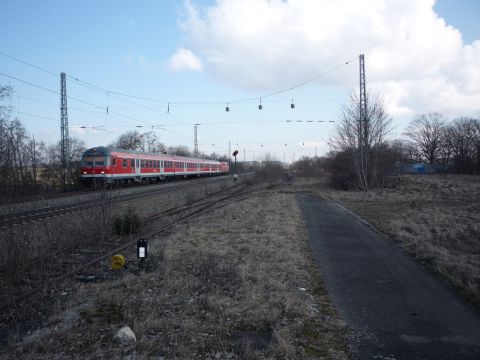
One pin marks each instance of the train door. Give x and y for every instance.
(137, 167)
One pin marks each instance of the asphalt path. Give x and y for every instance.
(395, 308)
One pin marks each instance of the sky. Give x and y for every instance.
(165, 66)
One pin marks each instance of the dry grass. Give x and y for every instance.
(48, 239)
(434, 218)
(237, 283)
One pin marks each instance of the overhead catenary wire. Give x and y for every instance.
(69, 97)
(122, 96)
(169, 103)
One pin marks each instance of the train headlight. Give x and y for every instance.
(84, 172)
(102, 172)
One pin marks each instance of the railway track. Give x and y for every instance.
(25, 301)
(15, 218)
(89, 263)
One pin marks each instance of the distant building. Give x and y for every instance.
(422, 168)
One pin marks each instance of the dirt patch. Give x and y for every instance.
(237, 283)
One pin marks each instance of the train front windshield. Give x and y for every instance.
(95, 160)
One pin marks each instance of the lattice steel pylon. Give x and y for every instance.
(195, 140)
(364, 128)
(64, 138)
(363, 97)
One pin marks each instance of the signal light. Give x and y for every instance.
(142, 248)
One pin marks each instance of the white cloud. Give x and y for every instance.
(412, 55)
(184, 59)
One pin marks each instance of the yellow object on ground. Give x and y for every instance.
(117, 261)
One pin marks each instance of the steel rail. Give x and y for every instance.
(202, 208)
(60, 210)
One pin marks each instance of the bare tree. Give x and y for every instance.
(362, 137)
(179, 150)
(131, 140)
(51, 161)
(17, 167)
(464, 142)
(151, 143)
(134, 140)
(425, 133)
(477, 144)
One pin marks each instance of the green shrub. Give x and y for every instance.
(128, 223)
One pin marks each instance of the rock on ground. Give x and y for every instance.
(125, 335)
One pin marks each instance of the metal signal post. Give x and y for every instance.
(64, 139)
(235, 175)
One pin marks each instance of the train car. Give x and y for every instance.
(109, 165)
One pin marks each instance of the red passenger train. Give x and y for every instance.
(109, 165)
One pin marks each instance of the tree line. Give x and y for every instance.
(455, 144)
(364, 157)
(29, 167)
(149, 142)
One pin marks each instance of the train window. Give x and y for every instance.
(132, 163)
(114, 161)
(88, 160)
(124, 162)
(99, 160)
(142, 163)
(158, 164)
